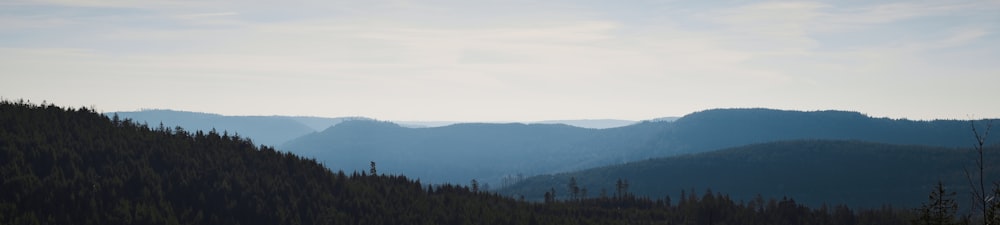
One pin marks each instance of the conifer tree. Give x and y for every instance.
(939, 209)
(574, 189)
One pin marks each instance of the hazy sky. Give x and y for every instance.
(504, 60)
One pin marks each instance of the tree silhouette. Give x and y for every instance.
(621, 186)
(939, 209)
(574, 189)
(982, 201)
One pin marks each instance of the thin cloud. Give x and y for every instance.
(850, 19)
(148, 4)
(490, 61)
(206, 15)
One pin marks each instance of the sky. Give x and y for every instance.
(505, 60)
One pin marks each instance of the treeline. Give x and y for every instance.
(75, 166)
(854, 173)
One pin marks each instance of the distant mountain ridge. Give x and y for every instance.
(267, 130)
(811, 171)
(723, 128)
(444, 154)
(461, 152)
(276, 130)
(591, 123)
(582, 123)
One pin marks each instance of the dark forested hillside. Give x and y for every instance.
(490, 152)
(74, 166)
(858, 174)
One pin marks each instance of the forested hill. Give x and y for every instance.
(857, 174)
(497, 152)
(74, 166)
(723, 128)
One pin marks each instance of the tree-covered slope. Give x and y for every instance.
(857, 174)
(78, 167)
(74, 166)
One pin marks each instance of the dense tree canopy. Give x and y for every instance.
(74, 166)
(814, 172)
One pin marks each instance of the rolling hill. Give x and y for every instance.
(490, 152)
(583, 123)
(723, 128)
(455, 153)
(853, 173)
(592, 123)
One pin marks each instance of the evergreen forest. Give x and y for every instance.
(75, 166)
